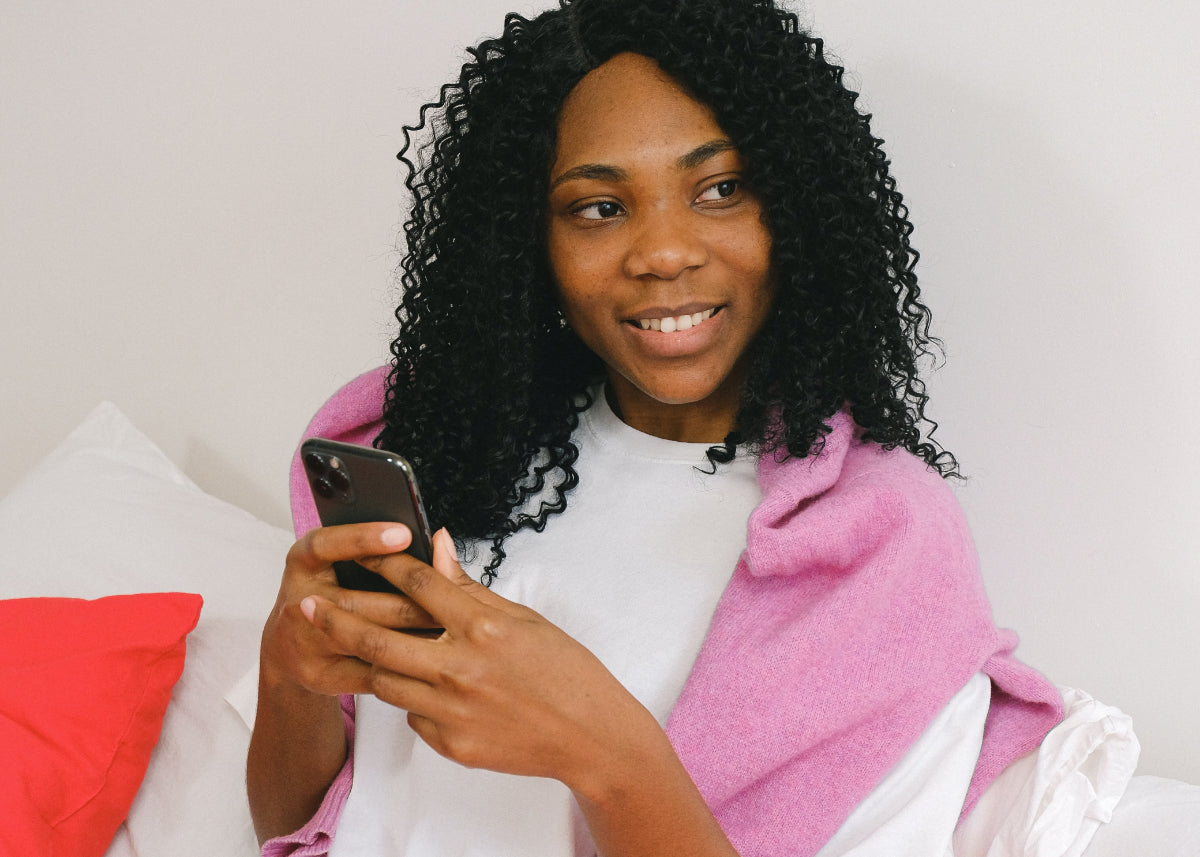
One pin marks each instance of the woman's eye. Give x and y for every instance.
(598, 210)
(721, 190)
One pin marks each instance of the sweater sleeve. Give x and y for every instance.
(352, 415)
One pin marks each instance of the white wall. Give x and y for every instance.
(199, 207)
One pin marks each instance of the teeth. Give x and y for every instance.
(670, 325)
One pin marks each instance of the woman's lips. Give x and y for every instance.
(678, 334)
(670, 321)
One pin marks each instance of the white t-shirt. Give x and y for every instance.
(633, 570)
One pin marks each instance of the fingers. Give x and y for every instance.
(445, 556)
(321, 547)
(436, 596)
(375, 645)
(335, 676)
(453, 603)
(445, 562)
(382, 608)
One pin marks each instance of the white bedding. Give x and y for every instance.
(122, 518)
(119, 517)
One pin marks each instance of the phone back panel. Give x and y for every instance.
(353, 484)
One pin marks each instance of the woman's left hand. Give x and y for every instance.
(502, 688)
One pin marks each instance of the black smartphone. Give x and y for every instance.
(359, 484)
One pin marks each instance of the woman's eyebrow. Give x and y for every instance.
(605, 172)
(596, 172)
(703, 152)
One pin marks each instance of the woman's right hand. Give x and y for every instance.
(299, 741)
(296, 653)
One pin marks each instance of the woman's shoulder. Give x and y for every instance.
(905, 479)
(353, 414)
(851, 500)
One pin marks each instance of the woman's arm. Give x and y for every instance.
(506, 690)
(299, 745)
(296, 750)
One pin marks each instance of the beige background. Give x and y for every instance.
(199, 207)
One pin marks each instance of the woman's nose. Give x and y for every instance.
(663, 245)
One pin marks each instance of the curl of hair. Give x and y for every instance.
(488, 383)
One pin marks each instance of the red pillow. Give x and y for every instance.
(84, 686)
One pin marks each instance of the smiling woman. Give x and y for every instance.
(483, 330)
(707, 591)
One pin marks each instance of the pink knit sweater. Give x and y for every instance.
(854, 615)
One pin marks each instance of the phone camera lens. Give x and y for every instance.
(323, 487)
(338, 479)
(315, 463)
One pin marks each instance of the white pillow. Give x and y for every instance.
(1051, 802)
(107, 513)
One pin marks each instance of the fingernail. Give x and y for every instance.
(308, 607)
(394, 537)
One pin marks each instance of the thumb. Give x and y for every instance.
(445, 557)
(445, 562)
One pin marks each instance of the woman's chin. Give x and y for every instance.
(699, 407)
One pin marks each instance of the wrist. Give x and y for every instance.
(643, 801)
(275, 679)
(277, 673)
(618, 765)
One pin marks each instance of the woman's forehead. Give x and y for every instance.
(627, 110)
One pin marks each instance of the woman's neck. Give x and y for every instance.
(709, 420)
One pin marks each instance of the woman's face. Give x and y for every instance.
(660, 254)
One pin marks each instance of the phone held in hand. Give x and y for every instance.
(353, 484)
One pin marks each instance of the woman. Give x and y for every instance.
(656, 367)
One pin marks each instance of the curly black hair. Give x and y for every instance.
(488, 382)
